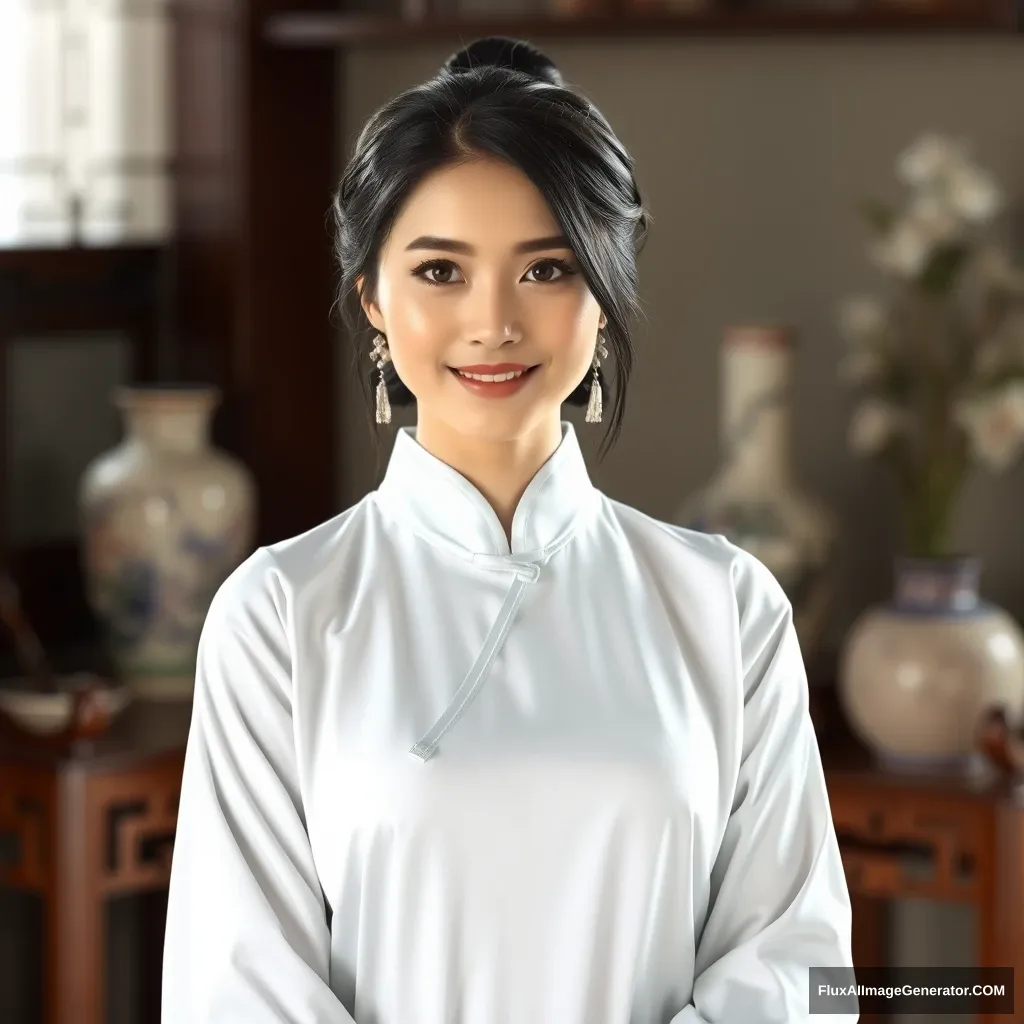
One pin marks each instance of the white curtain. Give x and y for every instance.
(85, 122)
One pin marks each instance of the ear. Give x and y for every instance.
(372, 310)
(603, 322)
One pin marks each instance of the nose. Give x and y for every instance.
(495, 315)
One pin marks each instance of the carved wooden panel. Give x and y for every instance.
(139, 811)
(914, 843)
(25, 828)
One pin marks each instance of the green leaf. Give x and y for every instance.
(879, 215)
(897, 384)
(939, 276)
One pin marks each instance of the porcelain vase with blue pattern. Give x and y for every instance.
(755, 499)
(166, 518)
(918, 673)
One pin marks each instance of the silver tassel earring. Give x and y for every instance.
(595, 407)
(380, 355)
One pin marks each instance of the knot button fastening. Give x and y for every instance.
(528, 571)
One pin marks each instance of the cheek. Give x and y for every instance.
(407, 310)
(577, 332)
(418, 356)
(579, 361)
(418, 327)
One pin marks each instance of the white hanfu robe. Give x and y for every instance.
(435, 778)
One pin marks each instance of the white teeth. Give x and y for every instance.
(491, 376)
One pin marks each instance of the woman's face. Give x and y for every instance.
(475, 277)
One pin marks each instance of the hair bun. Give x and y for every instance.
(502, 52)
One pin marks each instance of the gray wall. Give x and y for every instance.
(751, 156)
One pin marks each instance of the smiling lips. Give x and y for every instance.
(493, 379)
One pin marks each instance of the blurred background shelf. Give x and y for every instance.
(330, 29)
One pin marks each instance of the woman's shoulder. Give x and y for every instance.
(308, 554)
(727, 593)
(711, 560)
(277, 571)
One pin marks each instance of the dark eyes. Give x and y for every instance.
(442, 272)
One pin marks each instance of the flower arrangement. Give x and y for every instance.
(939, 361)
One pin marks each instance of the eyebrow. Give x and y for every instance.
(453, 245)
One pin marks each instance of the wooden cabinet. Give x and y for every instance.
(931, 837)
(86, 826)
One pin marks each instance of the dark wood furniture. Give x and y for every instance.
(73, 291)
(954, 838)
(647, 18)
(87, 826)
(251, 257)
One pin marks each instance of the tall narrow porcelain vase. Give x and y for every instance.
(755, 499)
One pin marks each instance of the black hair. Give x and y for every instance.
(498, 98)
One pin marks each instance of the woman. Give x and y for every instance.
(490, 747)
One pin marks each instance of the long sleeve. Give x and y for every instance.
(247, 939)
(779, 901)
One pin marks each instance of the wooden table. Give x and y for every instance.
(89, 825)
(941, 837)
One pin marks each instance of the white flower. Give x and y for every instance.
(874, 424)
(941, 171)
(936, 217)
(861, 319)
(930, 159)
(972, 194)
(929, 223)
(861, 366)
(994, 423)
(905, 250)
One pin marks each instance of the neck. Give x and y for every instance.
(500, 470)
